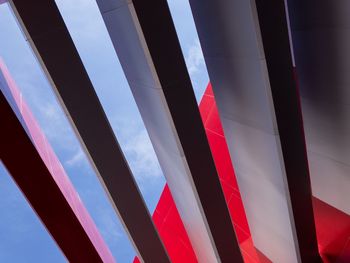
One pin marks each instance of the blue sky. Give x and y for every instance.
(22, 236)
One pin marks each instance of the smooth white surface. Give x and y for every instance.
(259, 170)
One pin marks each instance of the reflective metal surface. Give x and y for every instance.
(321, 38)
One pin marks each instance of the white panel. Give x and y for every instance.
(109, 5)
(260, 174)
(330, 181)
(124, 37)
(243, 90)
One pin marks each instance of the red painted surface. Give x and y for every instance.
(332, 225)
(333, 232)
(55, 178)
(218, 146)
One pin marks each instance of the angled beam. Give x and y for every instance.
(247, 52)
(274, 27)
(40, 176)
(146, 43)
(46, 32)
(320, 32)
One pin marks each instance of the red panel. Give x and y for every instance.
(207, 103)
(170, 228)
(222, 158)
(213, 122)
(333, 232)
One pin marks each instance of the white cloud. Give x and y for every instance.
(143, 160)
(138, 149)
(77, 158)
(52, 113)
(194, 58)
(88, 25)
(109, 227)
(58, 131)
(55, 124)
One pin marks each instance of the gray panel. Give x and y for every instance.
(316, 14)
(324, 59)
(235, 16)
(330, 181)
(260, 174)
(243, 90)
(109, 5)
(321, 40)
(120, 25)
(327, 129)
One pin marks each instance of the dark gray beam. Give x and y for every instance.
(248, 55)
(50, 40)
(146, 43)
